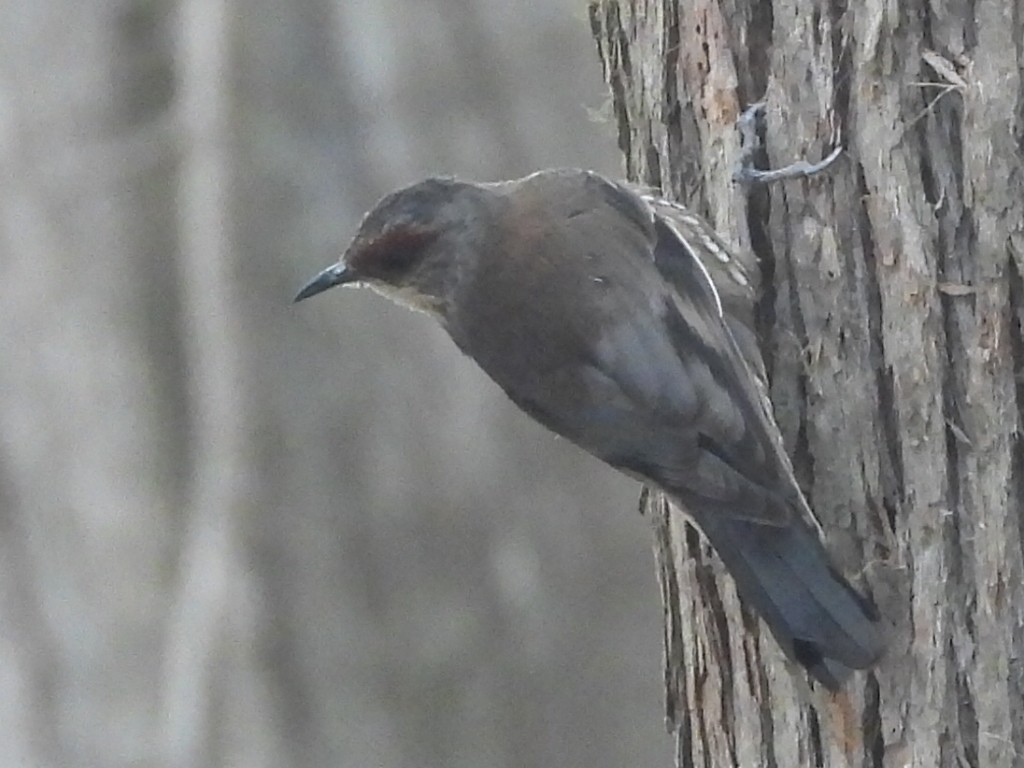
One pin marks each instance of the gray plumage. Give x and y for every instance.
(621, 322)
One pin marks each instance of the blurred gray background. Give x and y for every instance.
(234, 531)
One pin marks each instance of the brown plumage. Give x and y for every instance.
(623, 323)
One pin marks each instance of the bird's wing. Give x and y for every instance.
(734, 272)
(674, 406)
(670, 395)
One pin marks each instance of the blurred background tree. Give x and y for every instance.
(237, 532)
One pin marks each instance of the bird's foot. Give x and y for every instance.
(751, 125)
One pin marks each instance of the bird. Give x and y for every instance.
(622, 322)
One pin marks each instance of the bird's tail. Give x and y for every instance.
(785, 574)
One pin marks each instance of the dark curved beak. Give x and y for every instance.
(330, 277)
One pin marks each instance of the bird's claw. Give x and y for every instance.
(749, 124)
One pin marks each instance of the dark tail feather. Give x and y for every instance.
(784, 573)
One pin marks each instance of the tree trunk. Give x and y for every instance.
(891, 325)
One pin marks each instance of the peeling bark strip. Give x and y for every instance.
(892, 312)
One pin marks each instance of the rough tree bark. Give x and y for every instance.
(891, 323)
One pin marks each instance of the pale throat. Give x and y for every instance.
(407, 297)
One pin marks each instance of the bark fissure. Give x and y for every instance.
(888, 421)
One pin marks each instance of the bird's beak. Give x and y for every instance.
(334, 275)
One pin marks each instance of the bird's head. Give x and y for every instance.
(407, 247)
